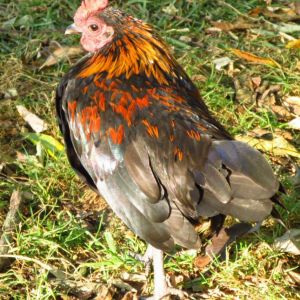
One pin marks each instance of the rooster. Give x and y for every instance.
(137, 131)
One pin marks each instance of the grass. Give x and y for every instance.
(65, 226)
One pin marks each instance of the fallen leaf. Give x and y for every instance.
(9, 94)
(295, 44)
(261, 133)
(289, 242)
(130, 296)
(176, 280)
(295, 123)
(293, 100)
(202, 261)
(199, 77)
(278, 145)
(240, 24)
(170, 10)
(255, 59)
(286, 36)
(122, 285)
(213, 30)
(185, 38)
(294, 277)
(255, 12)
(256, 81)
(287, 28)
(104, 294)
(60, 54)
(280, 14)
(221, 62)
(268, 95)
(284, 133)
(281, 112)
(49, 143)
(133, 277)
(36, 123)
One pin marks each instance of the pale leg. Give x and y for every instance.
(161, 288)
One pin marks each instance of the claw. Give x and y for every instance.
(145, 259)
(161, 288)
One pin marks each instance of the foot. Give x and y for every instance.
(169, 291)
(145, 259)
(161, 288)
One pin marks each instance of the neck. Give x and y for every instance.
(135, 50)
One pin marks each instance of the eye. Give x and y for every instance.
(93, 27)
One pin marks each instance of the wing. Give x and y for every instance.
(158, 157)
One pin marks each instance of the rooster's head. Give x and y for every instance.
(95, 32)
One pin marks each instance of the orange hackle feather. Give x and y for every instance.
(139, 52)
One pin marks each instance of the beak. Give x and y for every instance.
(72, 29)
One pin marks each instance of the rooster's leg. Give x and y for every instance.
(146, 259)
(161, 287)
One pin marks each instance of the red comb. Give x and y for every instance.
(89, 7)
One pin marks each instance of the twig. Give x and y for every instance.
(8, 229)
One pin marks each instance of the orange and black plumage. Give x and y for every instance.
(137, 131)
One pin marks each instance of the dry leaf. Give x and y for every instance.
(130, 296)
(294, 277)
(255, 59)
(293, 100)
(295, 123)
(289, 242)
(9, 94)
(255, 12)
(175, 280)
(170, 10)
(36, 123)
(284, 133)
(199, 77)
(60, 54)
(277, 146)
(295, 44)
(221, 62)
(185, 38)
(122, 285)
(104, 293)
(228, 26)
(281, 112)
(202, 261)
(133, 277)
(256, 81)
(287, 28)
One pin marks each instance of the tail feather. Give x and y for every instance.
(238, 181)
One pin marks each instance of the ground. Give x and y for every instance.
(67, 244)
